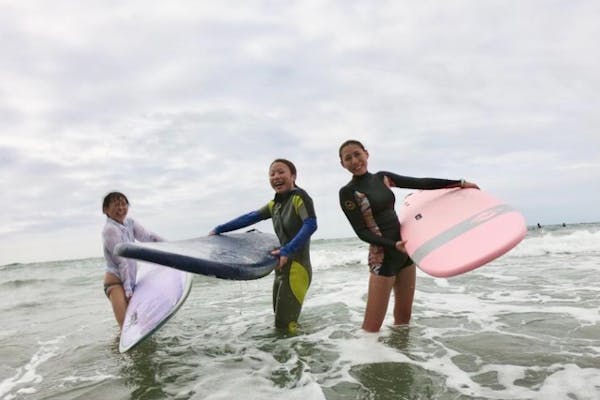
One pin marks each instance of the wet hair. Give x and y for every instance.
(289, 164)
(348, 143)
(112, 196)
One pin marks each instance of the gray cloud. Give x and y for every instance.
(183, 106)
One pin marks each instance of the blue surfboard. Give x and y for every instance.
(238, 256)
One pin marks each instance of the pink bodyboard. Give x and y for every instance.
(452, 231)
(158, 294)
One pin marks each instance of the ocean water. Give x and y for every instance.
(525, 326)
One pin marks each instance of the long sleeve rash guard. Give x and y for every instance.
(380, 226)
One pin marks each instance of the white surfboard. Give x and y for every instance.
(158, 294)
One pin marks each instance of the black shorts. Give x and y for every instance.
(393, 262)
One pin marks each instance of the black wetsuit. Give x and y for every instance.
(294, 221)
(369, 203)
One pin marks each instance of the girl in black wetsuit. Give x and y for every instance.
(368, 204)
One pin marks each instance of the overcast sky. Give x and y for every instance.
(183, 104)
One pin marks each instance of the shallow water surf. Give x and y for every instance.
(525, 326)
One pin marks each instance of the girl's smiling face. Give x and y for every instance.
(355, 159)
(117, 209)
(281, 177)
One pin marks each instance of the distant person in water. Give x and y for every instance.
(539, 226)
(120, 273)
(368, 203)
(294, 221)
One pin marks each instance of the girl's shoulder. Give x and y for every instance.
(114, 226)
(298, 191)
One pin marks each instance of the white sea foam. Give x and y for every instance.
(559, 242)
(570, 381)
(26, 377)
(479, 303)
(524, 326)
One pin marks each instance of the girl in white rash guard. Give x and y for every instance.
(120, 273)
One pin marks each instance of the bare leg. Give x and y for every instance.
(117, 297)
(378, 298)
(404, 293)
(119, 303)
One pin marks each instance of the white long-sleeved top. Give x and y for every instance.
(128, 232)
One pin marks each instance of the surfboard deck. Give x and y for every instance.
(158, 294)
(453, 231)
(238, 256)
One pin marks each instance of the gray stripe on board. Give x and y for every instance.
(458, 230)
